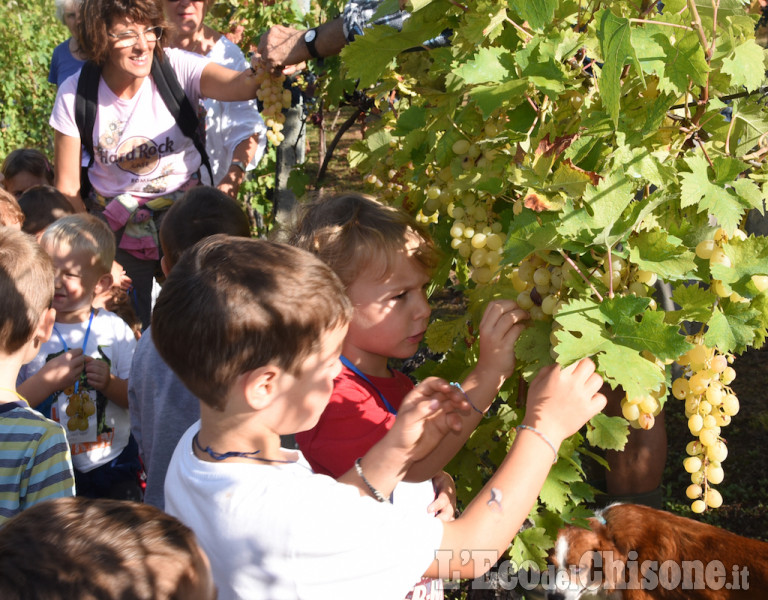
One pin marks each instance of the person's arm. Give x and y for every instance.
(241, 158)
(284, 46)
(67, 152)
(560, 401)
(502, 323)
(57, 374)
(427, 414)
(99, 376)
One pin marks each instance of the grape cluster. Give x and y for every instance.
(540, 286)
(712, 250)
(274, 98)
(641, 411)
(78, 410)
(709, 406)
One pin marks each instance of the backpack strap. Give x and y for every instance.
(179, 105)
(87, 104)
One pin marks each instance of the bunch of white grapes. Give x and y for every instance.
(481, 244)
(539, 286)
(274, 98)
(709, 405)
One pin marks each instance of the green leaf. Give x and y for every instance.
(484, 66)
(696, 302)
(615, 47)
(441, 335)
(748, 257)
(663, 254)
(604, 204)
(686, 60)
(622, 365)
(731, 330)
(697, 189)
(532, 349)
(745, 65)
(538, 13)
(555, 491)
(530, 546)
(490, 97)
(608, 433)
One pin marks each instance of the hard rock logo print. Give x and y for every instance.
(137, 155)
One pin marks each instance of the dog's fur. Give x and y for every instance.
(621, 530)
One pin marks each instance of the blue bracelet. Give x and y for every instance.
(542, 436)
(457, 385)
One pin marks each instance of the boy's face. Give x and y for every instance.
(75, 279)
(306, 395)
(390, 313)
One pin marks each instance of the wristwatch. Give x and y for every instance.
(240, 165)
(309, 39)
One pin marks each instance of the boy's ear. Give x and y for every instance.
(259, 386)
(103, 284)
(164, 266)
(45, 325)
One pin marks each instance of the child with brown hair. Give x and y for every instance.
(101, 549)
(10, 211)
(24, 168)
(42, 205)
(82, 370)
(255, 329)
(33, 450)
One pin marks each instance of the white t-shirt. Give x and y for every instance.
(138, 148)
(229, 123)
(283, 532)
(109, 427)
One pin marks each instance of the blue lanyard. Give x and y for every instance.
(85, 340)
(346, 362)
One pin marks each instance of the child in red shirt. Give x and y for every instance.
(385, 260)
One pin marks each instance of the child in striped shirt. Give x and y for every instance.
(34, 453)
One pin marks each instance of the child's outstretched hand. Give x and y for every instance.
(561, 400)
(63, 371)
(444, 504)
(428, 413)
(502, 323)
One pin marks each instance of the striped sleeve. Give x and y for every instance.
(35, 462)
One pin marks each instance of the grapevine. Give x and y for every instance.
(566, 159)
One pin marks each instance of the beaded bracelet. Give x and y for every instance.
(542, 436)
(376, 493)
(457, 385)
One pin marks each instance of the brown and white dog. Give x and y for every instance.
(639, 553)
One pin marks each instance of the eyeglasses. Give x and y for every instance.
(127, 39)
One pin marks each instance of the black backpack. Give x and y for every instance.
(87, 103)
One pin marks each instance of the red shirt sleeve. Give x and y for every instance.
(354, 420)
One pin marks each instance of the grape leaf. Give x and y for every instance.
(730, 330)
(603, 203)
(608, 433)
(441, 335)
(663, 254)
(745, 65)
(532, 349)
(696, 302)
(664, 341)
(491, 97)
(530, 545)
(483, 67)
(623, 366)
(748, 257)
(697, 189)
(686, 60)
(554, 493)
(615, 47)
(538, 13)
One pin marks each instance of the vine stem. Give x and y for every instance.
(520, 28)
(652, 22)
(576, 268)
(699, 28)
(342, 130)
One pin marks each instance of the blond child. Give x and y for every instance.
(81, 372)
(254, 329)
(33, 450)
(11, 214)
(107, 549)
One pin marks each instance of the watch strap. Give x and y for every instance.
(240, 165)
(309, 39)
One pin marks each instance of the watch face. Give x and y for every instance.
(310, 35)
